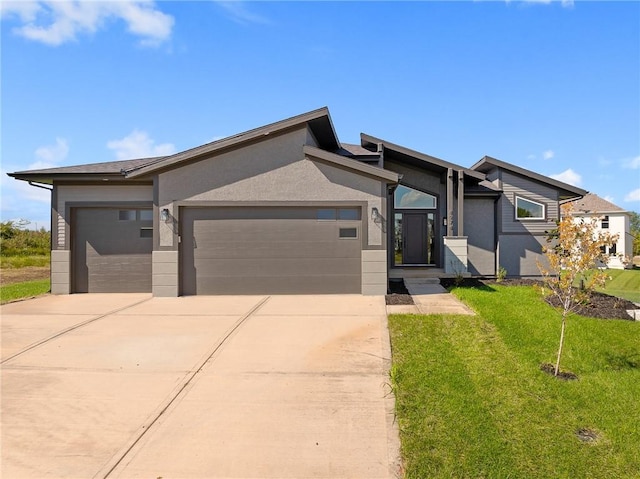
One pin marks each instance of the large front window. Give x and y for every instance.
(408, 198)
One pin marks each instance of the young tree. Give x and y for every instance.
(574, 252)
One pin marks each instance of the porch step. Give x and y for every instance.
(417, 281)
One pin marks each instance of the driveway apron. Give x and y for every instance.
(203, 387)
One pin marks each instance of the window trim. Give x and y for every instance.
(529, 218)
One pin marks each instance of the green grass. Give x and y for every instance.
(27, 289)
(624, 284)
(12, 262)
(472, 402)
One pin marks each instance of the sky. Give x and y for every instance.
(551, 86)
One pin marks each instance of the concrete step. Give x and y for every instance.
(416, 281)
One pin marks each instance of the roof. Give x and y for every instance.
(406, 154)
(318, 121)
(353, 165)
(567, 191)
(351, 150)
(593, 204)
(109, 168)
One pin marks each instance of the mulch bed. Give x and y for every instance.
(600, 305)
(398, 294)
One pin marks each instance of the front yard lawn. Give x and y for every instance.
(26, 289)
(624, 284)
(473, 402)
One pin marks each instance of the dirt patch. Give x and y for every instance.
(398, 293)
(564, 375)
(20, 275)
(587, 435)
(599, 305)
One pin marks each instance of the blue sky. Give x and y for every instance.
(552, 86)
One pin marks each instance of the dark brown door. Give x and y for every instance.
(415, 238)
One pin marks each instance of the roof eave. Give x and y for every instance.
(567, 191)
(372, 140)
(354, 165)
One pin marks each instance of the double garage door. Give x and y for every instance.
(274, 250)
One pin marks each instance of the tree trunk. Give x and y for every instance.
(564, 317)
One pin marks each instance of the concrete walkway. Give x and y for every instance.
(430, 298)
(197, 387)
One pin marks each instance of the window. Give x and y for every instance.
(327, 214)
(348, 214)
(613, 249)
(529, 210)
(127, 215)
(146, 215)
(348, 232)
(605, 223)
(344, 214)
(408, 198)
(133, 215)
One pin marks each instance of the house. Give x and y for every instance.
(612, 219)
(288, 208)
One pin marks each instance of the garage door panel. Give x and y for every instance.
(267, 251)
(282, 250)
(268, 231)
(275, 267)
(284, 285)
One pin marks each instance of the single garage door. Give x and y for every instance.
(112, 250)
(270, 250)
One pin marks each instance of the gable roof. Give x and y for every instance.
(593, 204)
(318, 121)
(409, 155)
(566, 190)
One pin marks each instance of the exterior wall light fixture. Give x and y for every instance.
(375, 215)
(164, 215)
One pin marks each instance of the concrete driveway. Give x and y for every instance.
(125, 385)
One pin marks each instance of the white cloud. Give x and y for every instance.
(610, 199)
(548, 154)
(633, 195)
(568, 176)
(56, 22)
(239, 12)
(631, 163)
(50, 156)
(565, 3)
(138, 145)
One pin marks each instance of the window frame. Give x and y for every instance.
(529, 218)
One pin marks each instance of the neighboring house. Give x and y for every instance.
(288, 208)
(611, 219)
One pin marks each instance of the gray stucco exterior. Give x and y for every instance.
(299, 163)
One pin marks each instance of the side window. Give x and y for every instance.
(529, 210)
(605, 223)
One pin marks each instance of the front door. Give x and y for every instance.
(415, 238)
